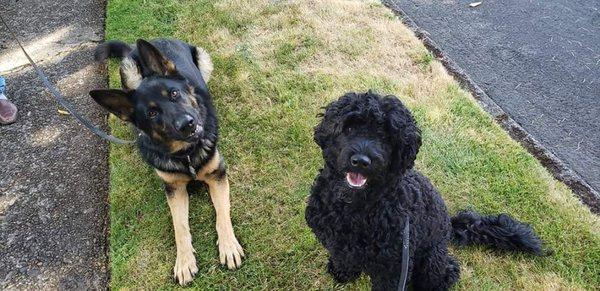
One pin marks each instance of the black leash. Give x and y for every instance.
(405, 255)
(59, 97)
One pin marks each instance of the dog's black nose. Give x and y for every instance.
(185, 124)
(360, 160)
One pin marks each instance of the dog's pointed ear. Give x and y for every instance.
(405, 134)
(152, 60)
(116, 102)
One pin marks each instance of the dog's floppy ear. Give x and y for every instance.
(405, 134)
(115, 101)
(152, 61)
(322, 130)
(331, 120)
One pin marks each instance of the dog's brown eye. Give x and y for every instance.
(174, 93)
(152, 113)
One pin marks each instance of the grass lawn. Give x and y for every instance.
(276, 64)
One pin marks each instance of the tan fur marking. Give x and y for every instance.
(156, 136)
(185, 264)
(212, 165)
(173, 178)
(178, 145)
(164, 93)
(170, 67)
(193, 101)
(192, 96)
(230, 251)
(204, 63)
(130, 74)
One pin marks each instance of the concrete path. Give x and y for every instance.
(539, 61)
(53, 171)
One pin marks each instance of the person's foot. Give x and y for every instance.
(8, 112)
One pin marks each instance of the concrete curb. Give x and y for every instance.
(558, 168)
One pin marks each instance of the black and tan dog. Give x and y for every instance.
(166, 98)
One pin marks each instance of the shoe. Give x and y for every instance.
(8, 112)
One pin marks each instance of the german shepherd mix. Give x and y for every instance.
(166, 98)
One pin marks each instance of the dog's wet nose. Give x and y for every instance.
(185, 124)
(360, 160)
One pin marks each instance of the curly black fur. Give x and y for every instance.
(501, 232)
(361, 227)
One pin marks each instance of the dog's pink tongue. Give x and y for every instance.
(356, 179)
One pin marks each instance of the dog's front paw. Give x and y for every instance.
(185, 267)
(230, 252)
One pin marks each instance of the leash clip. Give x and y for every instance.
(190, 168)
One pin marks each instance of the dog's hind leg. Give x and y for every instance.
(215, 176)
(437, 271)
(178, 200)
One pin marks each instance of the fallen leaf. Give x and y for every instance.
(63, 112)
(475, 4)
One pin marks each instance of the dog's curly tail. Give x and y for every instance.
(501, 232)
(111, 49)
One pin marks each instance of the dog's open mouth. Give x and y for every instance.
(196, 132)
(198, 129)
(356, 180)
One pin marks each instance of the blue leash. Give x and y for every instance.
(59, 97)
(2, 85)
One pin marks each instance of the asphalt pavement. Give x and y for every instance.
(539, 61)
(53, 171)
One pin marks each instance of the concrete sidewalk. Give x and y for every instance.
(53, 171)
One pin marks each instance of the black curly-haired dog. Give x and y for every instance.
(368, 187)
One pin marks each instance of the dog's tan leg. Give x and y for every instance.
(214, 174)
(178, 200)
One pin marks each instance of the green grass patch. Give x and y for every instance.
(276, 64)
(424, 60)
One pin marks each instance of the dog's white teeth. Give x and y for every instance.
(355, 179)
